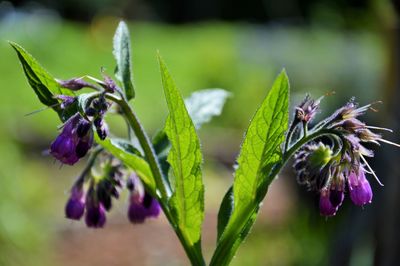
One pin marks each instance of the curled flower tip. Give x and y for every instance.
(75, 206)
(95, 214)
(326, 208)
(359, 188)
(74, 84)
(140, 209)
(306, 111)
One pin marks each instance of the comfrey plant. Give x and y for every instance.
(163, 173)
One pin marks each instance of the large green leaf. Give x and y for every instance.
(261, 147)
(261, 151)
(202, 106)
(185, 159)
(130, 157)
(43, 84)
(122, 54)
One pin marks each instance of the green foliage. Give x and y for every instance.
(187, 201)
(261, 147)
(122, 54)
(260, 152)
(202, 106)
(43, 84)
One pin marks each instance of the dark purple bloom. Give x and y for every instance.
(63, 147)
(142, 208)
(71, 144)
(359, 187)
(326, 208)
(95, 214)
(75, 206)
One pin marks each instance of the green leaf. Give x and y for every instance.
(130, 156)
(225, 211)
(261, 151)
(185, 159)
(43, 84)
(204, 104)
(261, 147)
(122, 54)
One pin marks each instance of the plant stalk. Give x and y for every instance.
(227, 246)
(193, 251)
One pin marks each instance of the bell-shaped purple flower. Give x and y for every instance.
(326, 208)
(142, 208)
(74, 141)
(63, 147)
(359, 187)
(75, 206)
(95, 214)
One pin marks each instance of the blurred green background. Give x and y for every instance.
(342, 49)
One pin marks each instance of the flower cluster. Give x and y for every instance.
(92, 194)
(332, 170)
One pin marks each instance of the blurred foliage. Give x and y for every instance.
(241, 58)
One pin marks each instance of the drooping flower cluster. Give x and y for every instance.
(94, 199)
(339, 168)
(92, 194)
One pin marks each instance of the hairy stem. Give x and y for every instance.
(193, 251)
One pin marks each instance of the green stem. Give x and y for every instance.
(228, 243)
(193, 251)
(146, 145)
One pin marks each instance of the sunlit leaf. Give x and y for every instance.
(185, 159)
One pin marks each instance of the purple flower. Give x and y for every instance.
(326, 208)
(141, 204)
(142, 208)
(359, 187)
(75, 206)
(63, 147)
(69, 146)
(95, 213)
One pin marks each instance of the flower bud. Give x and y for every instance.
(74, 84)
(75, 206)
(95, 212)
(307, 110)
